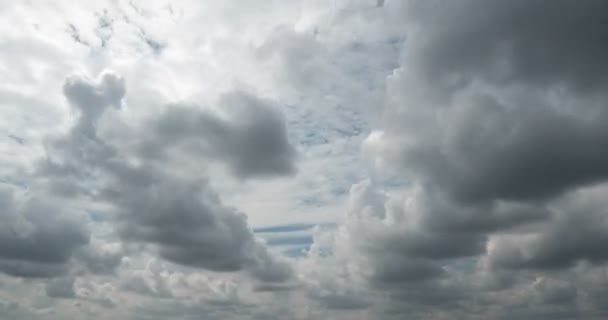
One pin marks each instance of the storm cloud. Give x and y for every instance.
(496, 117)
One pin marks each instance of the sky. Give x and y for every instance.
(303, 159)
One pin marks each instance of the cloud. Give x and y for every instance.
(35, 243)
(102, 258)
(494, 116)
(485, 114)
(246, 133)
(574, 234)
(180, 217)
(494, 133)
(188, 224)
(147, 282)
(480, 192)
(73, 158)
(413, 236)
(60, 288)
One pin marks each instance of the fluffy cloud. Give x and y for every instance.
(495, 117)
(480, 109)
(189, 225)
(182, 217)
(38, 240)
(479, 119)
(130, 195)
(574, 234)
(248, 135)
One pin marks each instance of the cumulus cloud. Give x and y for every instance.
(479, 119)
(484, 169)
(181, 217)
(480, 109)
(38, 239)
(495, 116)
(246, 133)
(188, 224)
(574, 234)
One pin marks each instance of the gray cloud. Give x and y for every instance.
(92, 99)
(246, 133)
(61, 288)
(344, 301)
(188, 224)
(188, 310)
(73, 160)
(409, 238)
(36, 239)
(522, 122)
(495, 104)
(187, 221)
(179, 216)
(101, 259)
(485, 150)
(494, 117)
(539, 44)
(576, 233)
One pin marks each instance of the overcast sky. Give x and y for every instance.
(322, 159)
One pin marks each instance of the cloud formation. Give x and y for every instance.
(248, 135)
(304, 160)
(38, 240)
(181, 216)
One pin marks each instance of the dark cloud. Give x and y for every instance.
(36, 238)
(187, 221)
(494, 114)
(28, 269)
(179, 216)
(575, 234)
(517, 42)
(496, 117)
(394, 268)
(344, 301)
(61, 288)
(245, 132)
(410, 238)
(502, 101)
(188, 224)
(485, 151)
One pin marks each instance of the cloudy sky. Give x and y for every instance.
(305, 159)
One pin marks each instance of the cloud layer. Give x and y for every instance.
(304, 160)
